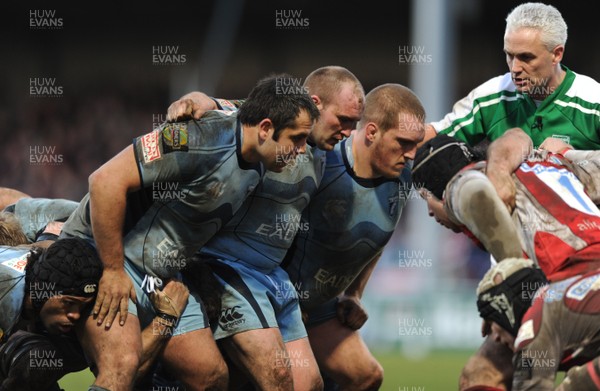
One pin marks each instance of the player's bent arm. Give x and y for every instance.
(587, 163)
(505, 155)
(507, 152)
(169, 304)
(350, 310)
(357, 287)
(154, 338)
(472, 200)
(108, 187)
(587, 170)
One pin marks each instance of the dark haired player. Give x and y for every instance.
(44, 292)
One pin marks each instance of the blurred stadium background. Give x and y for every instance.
(79, 82)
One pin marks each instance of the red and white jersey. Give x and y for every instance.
(559, 331)
(556, 212)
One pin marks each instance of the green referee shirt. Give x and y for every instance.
(571, 113)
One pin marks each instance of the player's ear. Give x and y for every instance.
(265, 129)
(318, 102)
(371, 130)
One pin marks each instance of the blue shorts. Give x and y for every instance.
(322, 313)
(254, 300)
(193, 317)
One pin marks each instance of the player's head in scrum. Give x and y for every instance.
(340, 99)
(534, 44)
(11, 232)
(436, 163)
(282, 122)
(388, 133)
(504, 295)
(60, 284)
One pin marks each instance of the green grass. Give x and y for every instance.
(436, 372)
(77, 381)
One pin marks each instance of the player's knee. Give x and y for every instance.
(217, 376)
(370, 379)
(368, 376)
(282, 375)
(376, 378)
(316, 383)
(126, 361)
(212, 376)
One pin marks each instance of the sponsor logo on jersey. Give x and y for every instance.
(581, 288)
(17, 264)
(175, 137)
(231, 317)
(226, 105)
(150, 149)
(225, 112)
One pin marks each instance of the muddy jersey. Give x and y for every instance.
(35, 213)
(194, 179)
(349, 221)
(557, 214)
(12, 287)
(263, 229)
(561, 329)
(556, 217)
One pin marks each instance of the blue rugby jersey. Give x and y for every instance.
(194, 180)
(12, 287)
(263, 229)
(350, 220)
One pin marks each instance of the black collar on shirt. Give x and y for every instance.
(364, 182)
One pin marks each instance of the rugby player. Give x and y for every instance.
(33, 219)
(539, 204)
(43, 294)
(213, 164)
(349, 220)
(40, 288)
(260, 327)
